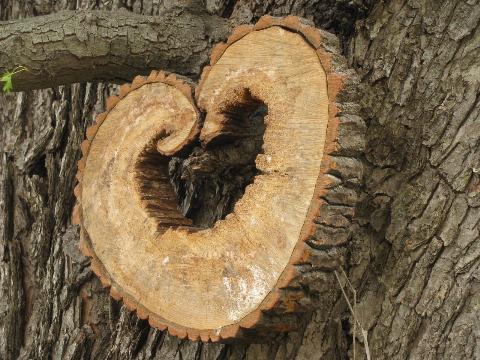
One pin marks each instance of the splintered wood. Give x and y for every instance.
(210, 284)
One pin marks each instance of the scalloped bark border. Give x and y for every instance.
(300, 254)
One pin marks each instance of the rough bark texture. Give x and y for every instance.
(79, 46)
(414, 258)
(416, 262)
(336, 16)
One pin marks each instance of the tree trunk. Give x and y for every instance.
(414, 257)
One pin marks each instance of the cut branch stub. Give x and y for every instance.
(233, 278)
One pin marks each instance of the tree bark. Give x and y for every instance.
(417, 260)
(414, 257)
(80, 46)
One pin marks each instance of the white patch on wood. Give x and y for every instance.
(243, 295)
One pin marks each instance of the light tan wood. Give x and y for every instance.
(205, 284)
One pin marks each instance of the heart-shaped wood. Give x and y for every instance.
(217, 283)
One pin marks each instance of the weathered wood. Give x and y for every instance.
(216, 283)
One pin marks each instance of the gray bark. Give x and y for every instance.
(416, 262)
(414, 257)
(79, 46)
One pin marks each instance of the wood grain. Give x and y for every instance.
(212, 283)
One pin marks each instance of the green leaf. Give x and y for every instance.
(7, 78)
(7, 82)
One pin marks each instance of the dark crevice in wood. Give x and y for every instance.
(156, 192)
(141, 339)
(203, 184)
(213, 177)
(347, 333)
(229, 7)
(39, 167)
